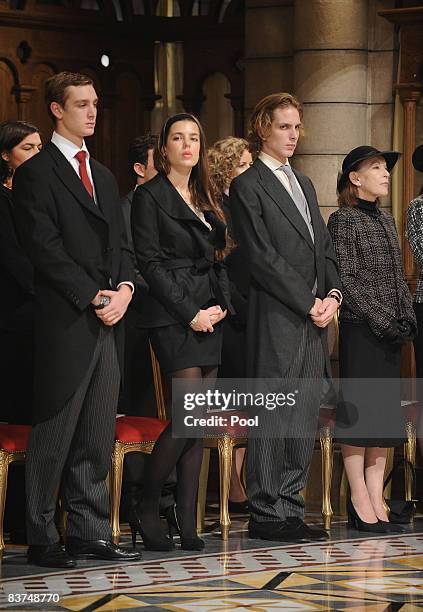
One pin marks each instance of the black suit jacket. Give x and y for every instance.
(283, 262)
(16, 272)
(76, 248)
(141, 287)
(164, 230)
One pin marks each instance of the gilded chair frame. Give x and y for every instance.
(120, 449)
(6, 458)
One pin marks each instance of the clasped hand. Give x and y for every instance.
(114, 311)
(207, 318)
(323, 310)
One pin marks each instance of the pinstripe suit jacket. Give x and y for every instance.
(283, 262)
(76, 248)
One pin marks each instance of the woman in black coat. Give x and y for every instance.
(376, 319)
(179, 243)
(229, 158)
(18, 142)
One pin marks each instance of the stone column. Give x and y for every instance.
(268, 49)
(330, 79)
(409, 96)
(343, 67)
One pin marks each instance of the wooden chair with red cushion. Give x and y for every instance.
(13, 447)
(134, 434)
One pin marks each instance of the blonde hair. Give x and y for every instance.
(262, 117)
(224, 157)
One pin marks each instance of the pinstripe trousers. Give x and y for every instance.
(72, 451)
(277, 466)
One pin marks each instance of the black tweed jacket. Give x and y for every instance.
(370, 266)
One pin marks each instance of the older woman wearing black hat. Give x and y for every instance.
(414, 234)
(376, 319)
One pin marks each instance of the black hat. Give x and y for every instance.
(360, 154)
(418, 158)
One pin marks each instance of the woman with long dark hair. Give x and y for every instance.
(179, 241)
(376, 319)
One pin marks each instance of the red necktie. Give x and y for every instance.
(81, 157)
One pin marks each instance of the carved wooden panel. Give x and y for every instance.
(8, 106)
(37, 106)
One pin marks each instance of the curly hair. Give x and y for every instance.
(224, 157)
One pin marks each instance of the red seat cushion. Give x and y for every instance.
(132, 429)
(14, 437)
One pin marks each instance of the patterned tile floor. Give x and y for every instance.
(349, 572)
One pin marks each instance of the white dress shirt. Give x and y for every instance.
(276, 167)
(69, 150)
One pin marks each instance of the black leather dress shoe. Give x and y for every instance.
(238, 507)
(52, 555)
(280, 531)
(313, 533)
(99, 549)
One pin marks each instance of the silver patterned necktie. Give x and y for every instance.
(299, 198)
(301, 204)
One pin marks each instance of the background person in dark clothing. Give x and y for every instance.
(229, 158)
(376, 319)
(19, 141)
(415, 238)
(137, 397)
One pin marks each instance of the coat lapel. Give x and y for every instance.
(101, 191)
(274, 188)
(166, 196)
(312, 204)
(70, 179)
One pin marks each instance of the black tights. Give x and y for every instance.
(187, 455)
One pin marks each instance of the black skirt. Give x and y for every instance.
(369, 412)
(178, 347)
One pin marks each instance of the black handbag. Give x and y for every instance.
(401, 511)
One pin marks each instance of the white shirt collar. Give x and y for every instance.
(271, 162)
(68, 148)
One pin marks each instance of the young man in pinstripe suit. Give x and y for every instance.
(294, 293)
(70, 219)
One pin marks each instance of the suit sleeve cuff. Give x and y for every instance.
(131, 285)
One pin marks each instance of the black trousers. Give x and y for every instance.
(72, 451)
(277, 467)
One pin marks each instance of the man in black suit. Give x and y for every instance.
(294, 293)
(70, 221)
(138, 392)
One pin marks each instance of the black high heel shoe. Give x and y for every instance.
(158, 542)
(191, 543)
(356, 522)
